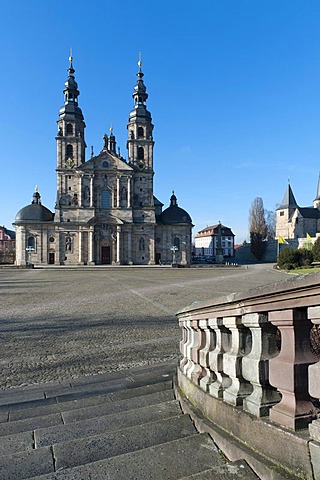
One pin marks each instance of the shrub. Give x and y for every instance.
(291, 258)
(316, 250)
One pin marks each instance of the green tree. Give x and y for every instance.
(257, 227)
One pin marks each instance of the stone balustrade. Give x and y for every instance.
(259, 353)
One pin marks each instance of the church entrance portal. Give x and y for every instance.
(51, 258)
(105, 256)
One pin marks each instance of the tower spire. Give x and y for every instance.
(71, 91)
(316, 201)
(140, 141)
(318, 189)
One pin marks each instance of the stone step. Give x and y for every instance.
(87, 450)
(170, 461)
(94, 426)
(238, 470)
(28, 410)
(24, 465)
(91, 449)
(19, 434)
(75, 389)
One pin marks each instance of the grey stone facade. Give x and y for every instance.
(105, 211)
(295, 222)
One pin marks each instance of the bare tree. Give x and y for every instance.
(257, 227)
(271, 220)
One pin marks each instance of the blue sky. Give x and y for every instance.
(234, 92)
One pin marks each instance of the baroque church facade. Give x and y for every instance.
(106, 211)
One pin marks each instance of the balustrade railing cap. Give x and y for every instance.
(295, 292)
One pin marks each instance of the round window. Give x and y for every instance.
(105, 164)
(51, 239)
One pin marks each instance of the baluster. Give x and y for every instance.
(232, 363)
(183, 343)
(221, 381)
(209, 341)
(289, 370)
(187, 346)
(314, 390)
(195, 371)
(255, 365)
(191, 368)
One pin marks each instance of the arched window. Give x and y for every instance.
(69, 129)
(105, 199)
(140, 153)
(140, 132)
(31, 243)
(69, 151)
(141, 244)
(176, 243)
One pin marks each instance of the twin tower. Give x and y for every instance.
(105, 212)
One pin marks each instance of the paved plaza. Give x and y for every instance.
(57, 324)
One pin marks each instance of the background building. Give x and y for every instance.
(7, 245)
(105, 211)
(206, 241)
(294, 222)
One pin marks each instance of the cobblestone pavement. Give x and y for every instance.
(57, 324)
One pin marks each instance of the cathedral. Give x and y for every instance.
(105, 212)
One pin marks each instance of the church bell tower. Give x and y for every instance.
(140, 141)
(140, 152)
(70, 138)
(70, 146)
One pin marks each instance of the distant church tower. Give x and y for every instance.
(295, 222)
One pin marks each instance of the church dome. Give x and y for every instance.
(174, 214)
(34, 212)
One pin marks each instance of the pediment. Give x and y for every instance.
(105, 219)
(105, 161)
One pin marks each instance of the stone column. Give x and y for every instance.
(91, 191)
(232, 363)
(118, 192)
(80, 246)
(21, 246)
(44, 246)
(289, 370)
(91, 247)
(255, 365)
(118, 244)
(57, 256)
(129, 193)
(80, 191)
(129, 248)
(314, 390)
(151, 252)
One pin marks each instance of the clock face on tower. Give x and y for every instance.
(141, 164)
